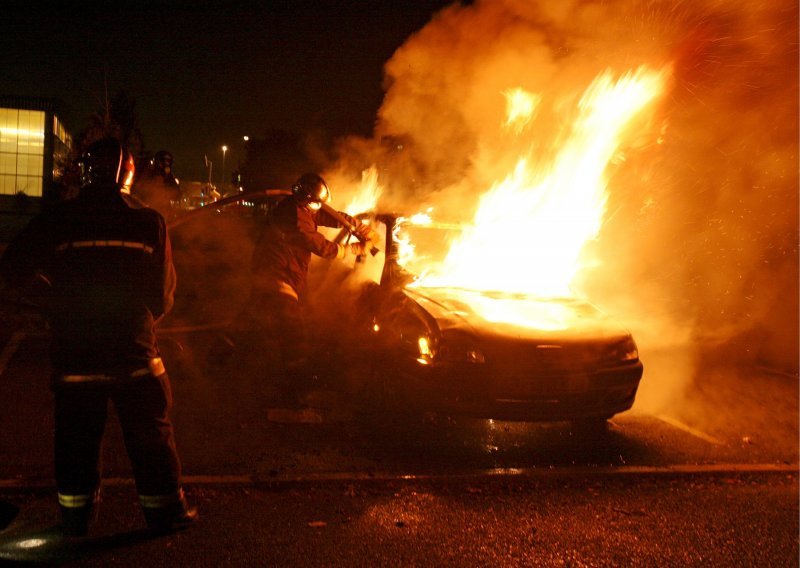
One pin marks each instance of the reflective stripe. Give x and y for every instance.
(75, 501)
(155, 367)
(159, 501)
(342, 252)
(105, 243)
(85, 378)
(286, 288)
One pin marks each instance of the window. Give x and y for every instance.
(21, 151)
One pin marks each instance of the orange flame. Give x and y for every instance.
(367, 194)
(520, 108)
(531, 228)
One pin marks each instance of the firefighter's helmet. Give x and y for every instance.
(107, 163)
(311, 190)
(163, 161)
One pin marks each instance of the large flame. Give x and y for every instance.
(531, 228)
(366, 194)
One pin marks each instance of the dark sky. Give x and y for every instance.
(204, 74)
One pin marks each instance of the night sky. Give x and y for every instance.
(205, 74)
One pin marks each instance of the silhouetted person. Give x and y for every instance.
(108, 266)
(157, 185)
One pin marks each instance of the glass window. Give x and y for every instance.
(7, 184)
(8, 163)
(9, 124)
(21, 151)
(31, 132)
(28, 165)
(29, 185)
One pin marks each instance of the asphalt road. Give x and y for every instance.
(564, 519)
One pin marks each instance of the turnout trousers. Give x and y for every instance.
(143, 407)
(281, 317)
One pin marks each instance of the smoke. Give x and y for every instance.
(212, 252)
(698, 254)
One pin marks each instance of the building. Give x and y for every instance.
(34, 148)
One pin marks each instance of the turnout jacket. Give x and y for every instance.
(107, 262)
(284, 248)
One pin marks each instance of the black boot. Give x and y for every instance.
(77, 513)
(8, 512)
(75, 520)
(171, 517)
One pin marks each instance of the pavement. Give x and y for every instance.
(561, 519)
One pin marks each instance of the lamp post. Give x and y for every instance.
(243, 160)
(222, 183)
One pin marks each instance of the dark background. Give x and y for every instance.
(205, 74)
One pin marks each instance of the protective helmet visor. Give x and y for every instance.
(312, 191)
(106, 163)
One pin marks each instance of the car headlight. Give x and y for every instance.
(425, 351)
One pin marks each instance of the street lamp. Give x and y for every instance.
(245, 154)
(222, 184)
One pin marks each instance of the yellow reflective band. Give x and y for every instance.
(286, 288)
(155, 367)
(74, 501)
(101, 244)
(85, 378)
(159, 501)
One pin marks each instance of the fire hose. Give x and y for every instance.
(213, 206)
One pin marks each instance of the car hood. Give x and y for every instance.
(514, 315)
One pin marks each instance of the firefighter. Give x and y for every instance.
(157, 185)
(107, 266)
(280, 268)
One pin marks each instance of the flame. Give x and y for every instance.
(520, 108)
(367, 194)
(531, 228)
(406, 249)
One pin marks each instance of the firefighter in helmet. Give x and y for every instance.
(280, 271)
(107, 263)
(157, 185)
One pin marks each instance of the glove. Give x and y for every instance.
(362, 231)
(352, 221)
(357, 249)
(365, 234)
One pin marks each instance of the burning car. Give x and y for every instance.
(488, 354)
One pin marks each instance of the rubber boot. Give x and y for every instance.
(170, 517)
(8, 512)
(75, 520)
(77, 513)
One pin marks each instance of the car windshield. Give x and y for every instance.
(422, 248)
(423, 245)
